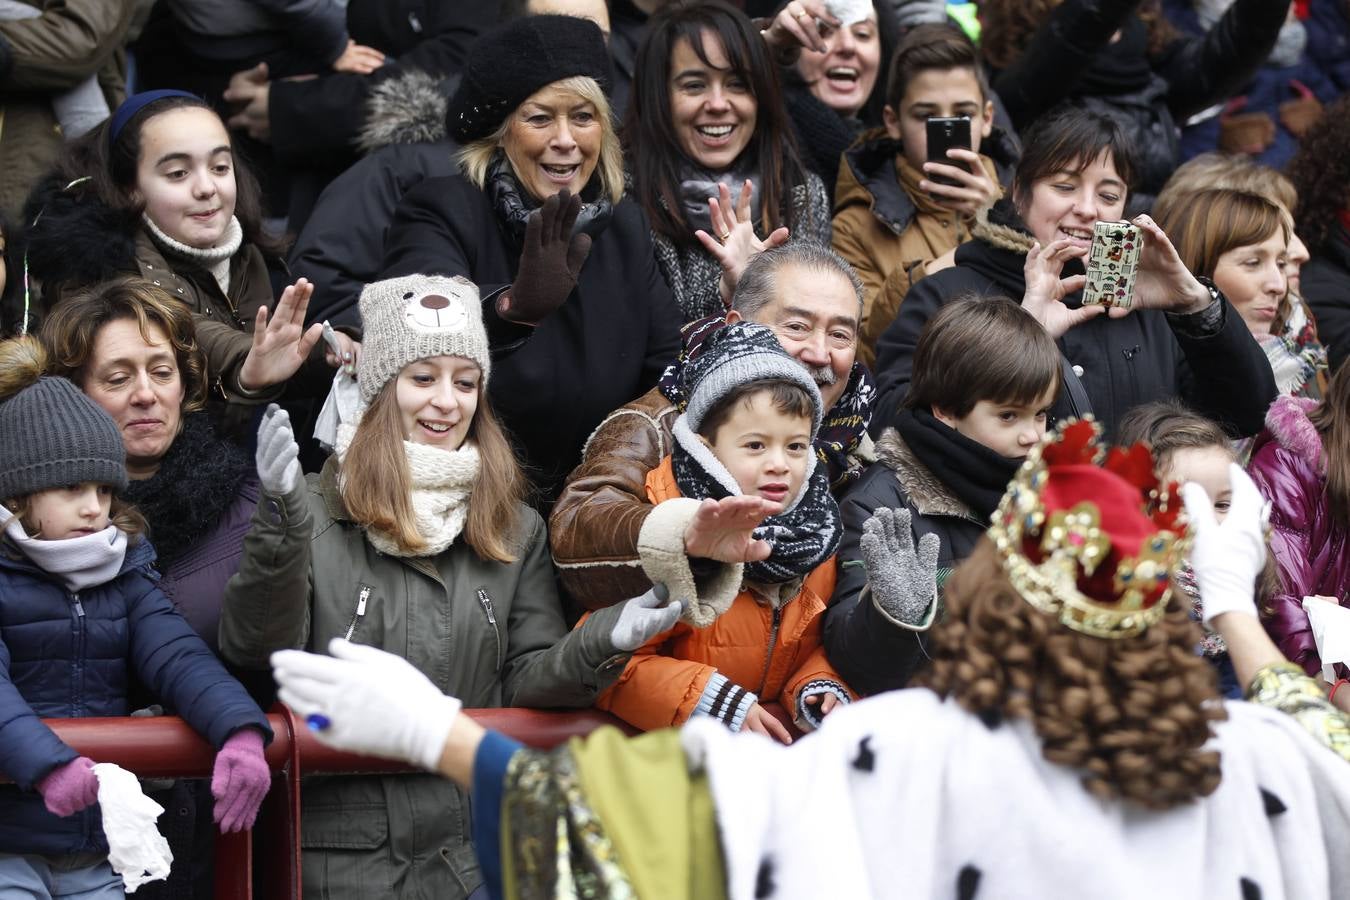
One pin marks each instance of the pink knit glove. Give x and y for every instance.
(69, 788)
(240, 780)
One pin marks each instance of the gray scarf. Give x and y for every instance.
(78, 563)
(697, 185)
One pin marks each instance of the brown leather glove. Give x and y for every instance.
(550, 261)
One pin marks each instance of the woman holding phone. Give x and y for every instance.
(1180, 336)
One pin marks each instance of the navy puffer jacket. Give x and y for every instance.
(70, 655)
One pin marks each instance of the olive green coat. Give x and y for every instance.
(489, 633)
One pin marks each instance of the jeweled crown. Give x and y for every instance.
(1089, 535)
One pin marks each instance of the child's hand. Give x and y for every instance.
(69, 788)
(903, 578)
(823, 704)
(724, 529)
(359, 59)
(760, 720)
(281, 342)
(974, 189)
(239, 780)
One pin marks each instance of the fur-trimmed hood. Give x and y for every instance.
(928, 494)
(1288, 423)
(1000, 226)
(409, 109)
(76, 238)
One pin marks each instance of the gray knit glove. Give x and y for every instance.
(909, 13)
(903, 583)
(278, 453)
(643, 618)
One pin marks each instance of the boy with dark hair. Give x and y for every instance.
(986, 374)
(752, 630)
(891, 214)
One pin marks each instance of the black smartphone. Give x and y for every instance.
(945, 133)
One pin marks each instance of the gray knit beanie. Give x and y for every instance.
(734, 355)
(418, 317)
(52, 435)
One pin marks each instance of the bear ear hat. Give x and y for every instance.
(1089, 536)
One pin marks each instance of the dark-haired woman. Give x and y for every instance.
(706, 122)
(158, 191)
(1179, 337)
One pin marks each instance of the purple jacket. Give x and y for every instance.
(1311, 551)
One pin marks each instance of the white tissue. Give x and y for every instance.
(1331, 630)
(849, 11)
(344, 400)
(136, 849)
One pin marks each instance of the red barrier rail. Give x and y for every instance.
(165, 747)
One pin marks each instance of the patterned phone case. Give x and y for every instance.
(1112, 261)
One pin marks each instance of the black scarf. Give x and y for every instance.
(803, 536)
(975, 474)
(840, 433)
(1119, 68)
(513, 206)
(197, 481)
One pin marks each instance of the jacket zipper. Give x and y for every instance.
(773, 642)
(486, 602)
(79, 652)
(361, 599)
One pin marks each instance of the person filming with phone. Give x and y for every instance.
(908, 193)
(1172, 334)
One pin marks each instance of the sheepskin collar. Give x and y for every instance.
(1288, 423)
(409, 109)
(1001, 227)
(929, 495)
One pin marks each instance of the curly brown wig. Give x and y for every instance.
(1131, 714)
(1007, 26)
(1321, 173)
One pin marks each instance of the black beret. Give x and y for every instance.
(509, 63)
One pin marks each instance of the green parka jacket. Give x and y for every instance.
(489, 633)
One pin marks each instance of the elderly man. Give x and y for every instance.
(812, 301)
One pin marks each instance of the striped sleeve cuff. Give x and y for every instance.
(725, 701)
(810, 714)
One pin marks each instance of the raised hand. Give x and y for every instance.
(974, 190)
(796, 27)
(278, 455)
(249, 92)
(281, 343)
(550, 261)
(736, 242)
(1046, 290)
(903, 581)
(644, 617)
(723, 530)
(1227, 559)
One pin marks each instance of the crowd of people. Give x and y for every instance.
(731, 366)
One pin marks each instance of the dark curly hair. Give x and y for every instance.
(1133, 714)
(1007, 27)
(1321, 173)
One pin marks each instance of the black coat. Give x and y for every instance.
(872, 653)
(1145, 356)
(1325, 284)
(551, 385)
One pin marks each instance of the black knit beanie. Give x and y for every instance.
(510, 63)
(52, 435)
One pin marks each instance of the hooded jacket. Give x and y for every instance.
(72, 655)
(1311, 550)
(887, 230)
(1215, 365)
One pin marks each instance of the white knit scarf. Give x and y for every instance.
(77, 563)
(442, 482)
(215, 260)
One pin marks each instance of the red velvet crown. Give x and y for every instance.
(1088, 535)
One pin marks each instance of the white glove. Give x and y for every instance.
(364, 700)
(1227, 558)
(278, 455)
(644, 617)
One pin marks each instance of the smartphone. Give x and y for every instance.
(1113, 259)
(946, 133)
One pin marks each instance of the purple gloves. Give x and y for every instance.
(240, 780)
(69, 788)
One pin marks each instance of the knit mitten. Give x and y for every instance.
(903, 582)
(278, 455)
(240, 780)
(69, 788)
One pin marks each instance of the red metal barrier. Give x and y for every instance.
(165, 747)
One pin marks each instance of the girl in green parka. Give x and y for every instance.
(414, 540)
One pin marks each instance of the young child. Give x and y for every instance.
(751, 631)
(80, 613)
(891, 216)
(975, 408)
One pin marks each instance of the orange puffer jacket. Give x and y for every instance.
(772, 652)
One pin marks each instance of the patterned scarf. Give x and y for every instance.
(513, 207)
(803, 536)
(845, 423)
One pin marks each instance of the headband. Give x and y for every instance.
(137, 102)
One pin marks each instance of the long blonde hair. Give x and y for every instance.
(377, 486)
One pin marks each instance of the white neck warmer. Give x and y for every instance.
(215, 259)
(78, 563)
(442, 482)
